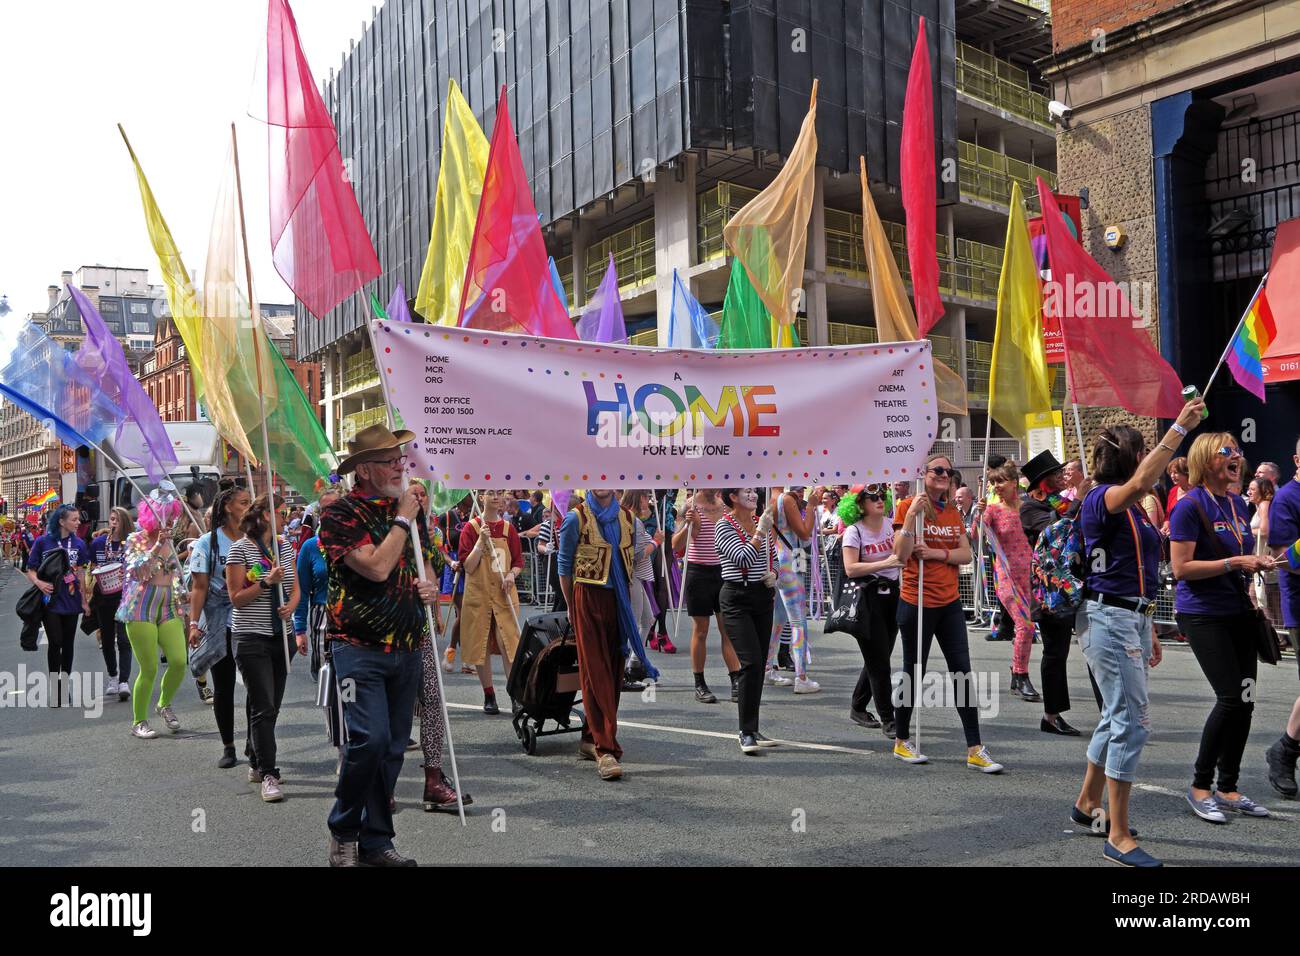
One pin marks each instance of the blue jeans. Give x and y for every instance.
(378, 693)
(1117, 644)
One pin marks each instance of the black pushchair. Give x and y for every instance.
(543, 682)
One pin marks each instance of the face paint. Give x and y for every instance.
(748, 498)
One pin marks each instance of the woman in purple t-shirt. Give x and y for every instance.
(65, 599)
(1121, 553)
(1211, 545)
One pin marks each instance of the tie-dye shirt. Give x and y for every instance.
(389, 613)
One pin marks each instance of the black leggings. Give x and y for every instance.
(947, 625)
(876, 633)
(223, 695)
(747, 614)
(261, 661)
(60, 631)
(113, 642)
(1224, 646)
(1057, 633)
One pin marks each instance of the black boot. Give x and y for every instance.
(735, 685)
(1027, 691)
(702, 692)
(783, 659)
(227, 758)
(1281, 758)
(1015, 684)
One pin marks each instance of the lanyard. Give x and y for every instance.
(1236, 533)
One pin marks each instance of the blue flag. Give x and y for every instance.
(689, 326)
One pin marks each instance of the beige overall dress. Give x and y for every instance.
(485, 603)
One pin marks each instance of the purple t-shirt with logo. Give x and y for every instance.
(1228, 516)
(1110, 550)
(66, 598)
(1284, 531)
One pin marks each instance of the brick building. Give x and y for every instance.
(1185, 131)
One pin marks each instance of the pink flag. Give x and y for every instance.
(919, 191)
(1109, 356)
(508, 282)
(319, 241)
(603, 319)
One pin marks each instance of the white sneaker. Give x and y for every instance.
(169, 718)
(271, 792)
(774, 678)
(253, 775)
(124, 691)
(143, 731)
(805, 685)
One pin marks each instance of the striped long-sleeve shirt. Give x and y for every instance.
(740, 560)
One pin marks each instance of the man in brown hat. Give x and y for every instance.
(376, 622)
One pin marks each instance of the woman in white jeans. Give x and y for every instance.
(1121, 550)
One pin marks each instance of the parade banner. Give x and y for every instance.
(493, 409)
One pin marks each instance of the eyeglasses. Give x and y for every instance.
(400, 461)
(941, 472)
(1228, 452)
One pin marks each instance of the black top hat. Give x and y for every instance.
(1039, 467)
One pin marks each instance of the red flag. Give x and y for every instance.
(919, 191)
(508, 281)
(1110, 358)
(319, 241)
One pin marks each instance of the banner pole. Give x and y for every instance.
(428, 611)
(920, 618)
(258, 335)
(979, 532)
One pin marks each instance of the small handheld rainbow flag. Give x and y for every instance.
(1293, 555)
(42, 499)
(1255, 334)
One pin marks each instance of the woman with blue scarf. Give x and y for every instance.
(595, 560)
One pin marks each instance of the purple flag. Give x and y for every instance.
(140, 435)
(603, 319)
(397, 309)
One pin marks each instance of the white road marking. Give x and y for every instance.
(713, 733)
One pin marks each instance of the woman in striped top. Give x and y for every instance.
(745, 555)
(703, 585)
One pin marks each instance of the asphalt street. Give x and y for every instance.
(78, 789)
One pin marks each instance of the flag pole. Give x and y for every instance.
(979, 532)
(686, 566)
(258, 335)
(1069, 375)
(920, 618)
(428, 611)
(1233, 337)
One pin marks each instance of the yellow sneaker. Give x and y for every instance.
(905, 752)
(981, 761)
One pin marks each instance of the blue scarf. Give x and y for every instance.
(612, 531)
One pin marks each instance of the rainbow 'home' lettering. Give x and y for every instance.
(737, 402)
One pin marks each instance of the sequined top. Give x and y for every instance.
(141, 599)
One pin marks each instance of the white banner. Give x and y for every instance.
(498, 410)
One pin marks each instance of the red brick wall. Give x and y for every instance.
(1073, 21)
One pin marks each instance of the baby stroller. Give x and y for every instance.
(543, 682)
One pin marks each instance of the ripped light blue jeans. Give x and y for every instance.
(1117, 645)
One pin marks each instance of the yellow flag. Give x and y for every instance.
(895, 320)
(188, 316)
(1018, 385)
(770, 234)
(455, 209)
(230, 349)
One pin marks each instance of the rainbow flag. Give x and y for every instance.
(1293, 555)
(39, 501)
(1255, 334)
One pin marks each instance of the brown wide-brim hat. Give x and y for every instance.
(370, 444)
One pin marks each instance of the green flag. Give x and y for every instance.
(300, 452)
(746, 323)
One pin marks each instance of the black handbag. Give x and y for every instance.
(1261, 628)
(849, 606)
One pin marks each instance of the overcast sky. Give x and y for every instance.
(175, 73)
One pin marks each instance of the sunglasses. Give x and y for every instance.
(941, 472)
(1228, 452)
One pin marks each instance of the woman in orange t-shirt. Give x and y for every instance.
(943, 547)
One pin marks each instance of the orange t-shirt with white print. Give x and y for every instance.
(940, 578)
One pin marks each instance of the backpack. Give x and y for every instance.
(1055, 578)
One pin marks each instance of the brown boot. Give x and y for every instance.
(439, 794)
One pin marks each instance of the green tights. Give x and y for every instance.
(145, 640)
